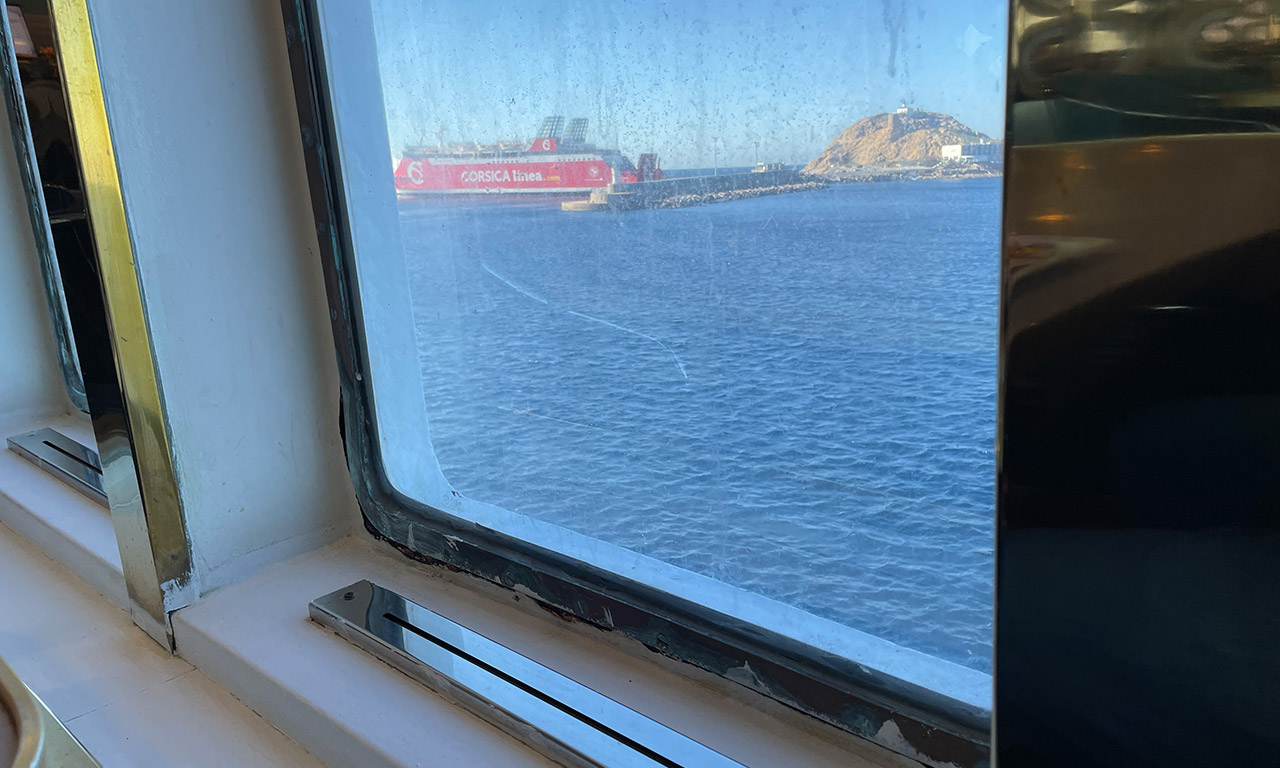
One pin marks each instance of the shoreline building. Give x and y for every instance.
(982, 152)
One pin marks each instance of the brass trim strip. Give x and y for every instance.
(145, 506)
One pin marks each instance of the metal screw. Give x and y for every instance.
(661, 642)
(349, 596)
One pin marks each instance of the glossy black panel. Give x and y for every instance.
(1138, 583)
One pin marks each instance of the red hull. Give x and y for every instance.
(551, 175)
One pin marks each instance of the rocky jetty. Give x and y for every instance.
(684, 191)
(903, 138)
(684, 201)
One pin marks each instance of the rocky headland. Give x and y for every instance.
(900, 145)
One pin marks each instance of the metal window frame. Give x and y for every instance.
(872, 703)
(122, 384)
(24, 146)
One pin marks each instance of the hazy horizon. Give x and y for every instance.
(696, 85)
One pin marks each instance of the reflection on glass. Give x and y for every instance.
(1138, 536)
(733, 305)
(41, 133)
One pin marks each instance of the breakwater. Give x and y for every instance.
(694, 190)
(943, 170)
(694, 198)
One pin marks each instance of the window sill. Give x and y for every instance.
(255, 639)
(67, 526)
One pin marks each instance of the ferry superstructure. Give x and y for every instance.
(558, 161)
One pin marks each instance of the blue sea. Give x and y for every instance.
(791, 394)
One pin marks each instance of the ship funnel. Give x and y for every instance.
(577, 131)
(551, 127)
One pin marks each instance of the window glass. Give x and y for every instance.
(713, 283)
(41, 132)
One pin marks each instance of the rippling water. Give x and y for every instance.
(792, 394)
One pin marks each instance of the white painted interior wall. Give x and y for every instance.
(30, 382)
(202, 113)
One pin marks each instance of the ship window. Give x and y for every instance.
(709, 360)
(41, 133)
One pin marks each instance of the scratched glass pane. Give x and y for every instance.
(717, 283)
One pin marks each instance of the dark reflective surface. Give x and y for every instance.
(569, 722)
(41, 135)
(1139, 499)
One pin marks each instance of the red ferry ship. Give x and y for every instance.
(557, 162)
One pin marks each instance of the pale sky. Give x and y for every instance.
(686, 79)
